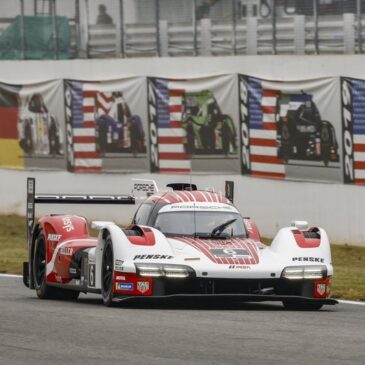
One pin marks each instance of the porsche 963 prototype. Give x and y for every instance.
(183, 243)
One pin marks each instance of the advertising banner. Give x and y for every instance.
(106, 125)
(353, 127)
(193, 125)
(290, 129)
(32, 126)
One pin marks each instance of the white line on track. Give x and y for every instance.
(350, 302)
(353, 302)
(11, 276)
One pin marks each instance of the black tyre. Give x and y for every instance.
(107, 273)
(43, 290)
(102, 136)
(190, 138)
(301, 305)
(28, 141)
(325, 144)
(54, 143)
(285, 142)
(225, 138)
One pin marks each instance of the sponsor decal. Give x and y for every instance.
(120, 278)
(54, 237)
(243, 267)
(347, 131)
(124, 286)
(230, 252)
(66, 251)
(67, 224)
(244, 121)
(143, 286)
(152, 118)
(203, 207)
(321, 289)
(153, 257)
(144, 187)
(58, 278)
(91, 274)
(308, 259)
(118, 265)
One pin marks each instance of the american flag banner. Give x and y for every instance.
(353, 123)
(167, 134)
(261, 111)
(84, 103)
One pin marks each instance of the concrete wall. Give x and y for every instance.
(269, 67)
(336, 207)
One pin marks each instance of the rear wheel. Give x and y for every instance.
(325, 144)
(43, 290)
(28, 142)
(107, 273)
(54, 143)
(301, 306)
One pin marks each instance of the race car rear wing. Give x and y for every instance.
(33, 199)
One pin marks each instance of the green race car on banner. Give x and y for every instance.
(208, 131)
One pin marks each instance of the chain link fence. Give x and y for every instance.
(62, 29)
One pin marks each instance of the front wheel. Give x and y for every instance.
(301, 305)
(107, 273)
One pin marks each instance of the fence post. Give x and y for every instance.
(121, 30)
(164, 38)
(234, 23)
(359, 25)
(274, 27)
(206, 39)
(22, 32)
(315, 18)
(55, 29)
(87, 46)
(251, 36)
(157, 24)
(299, 34)
(195, 29)
(349, 33)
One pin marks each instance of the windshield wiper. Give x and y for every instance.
(219, 229)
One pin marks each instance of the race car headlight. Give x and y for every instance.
(304, 272)
(169, 271)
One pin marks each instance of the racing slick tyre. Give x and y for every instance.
(107, 273)
(43, 290)
(54, 143)
(102, 136)
(325, 144)
(301, 305)
(28, 142)
(190, 138)
(225, 138)
(285, 143)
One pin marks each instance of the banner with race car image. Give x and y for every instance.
(353, 127)
(193, 125)
(106, 125)
(32, 126)
(290, 130)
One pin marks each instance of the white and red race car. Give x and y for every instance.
(183, 243)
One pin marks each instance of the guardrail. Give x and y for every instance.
(298, 34)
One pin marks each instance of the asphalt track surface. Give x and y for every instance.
(34, 331)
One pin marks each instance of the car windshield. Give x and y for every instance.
(201, 223)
